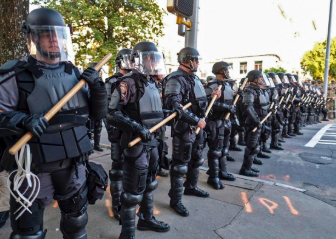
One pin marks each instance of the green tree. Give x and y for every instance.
(106, 26)
(313, 61)
(275, 70)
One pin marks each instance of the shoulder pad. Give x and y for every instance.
(173, 87)
(174, 74)
(9, 66)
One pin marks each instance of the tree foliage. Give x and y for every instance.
(106, 26)
(313, 61)
(12, 40)
(275, 70)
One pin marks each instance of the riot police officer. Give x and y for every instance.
(286, 112)
(30, 87)
(218, 128)
(296, 81)
(182, 87)
(124, 66)
(256, 103)
(135, 107)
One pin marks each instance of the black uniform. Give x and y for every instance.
(181, 88)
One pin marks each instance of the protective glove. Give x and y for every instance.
(232, 109)
(91, 76)
(36, 124)
(144, 134)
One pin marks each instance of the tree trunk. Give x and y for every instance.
(12, 40)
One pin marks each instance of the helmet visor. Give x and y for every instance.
(299, 82)
(47, 43)
(264, 79)
(292, 79)
(285, 79)
(150, 63)
(271, 82)
(228, 72)
(125, 62)
(277, 80)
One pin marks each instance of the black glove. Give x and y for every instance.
(240, 92)
(36, 124)
(91, 76)
(144, 134)
(232, 109)
(272, 110)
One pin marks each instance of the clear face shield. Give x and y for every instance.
(194, 62)
(299, 83)
(263, 81)
(276, 80)
(125, 62)
(50, 43)
(292, 79)
(318, 92)
(150, 63)
(228, 72)
(271, 82)
(285, 79)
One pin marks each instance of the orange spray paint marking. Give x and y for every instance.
(271, 207)
(287, 178)
(108, 191)
(269, 177)
(108, 204)
(55, 204)
(290, 205)
(156, 211)
(248, 207)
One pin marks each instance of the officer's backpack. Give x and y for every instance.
(97, 182)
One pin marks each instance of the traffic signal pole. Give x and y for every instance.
(191, 34)
(327, 59)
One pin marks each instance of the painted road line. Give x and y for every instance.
(318, 136)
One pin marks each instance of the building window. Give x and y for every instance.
(243, 67)
(258, 65)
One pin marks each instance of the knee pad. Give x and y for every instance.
(115, 152)
(28, 224)
(180, 170)
(115, 175)
(181, 151)
(76, 205)
(74, 227)
(255, 150)
(130, 200)
(134, 179)
(151, 186)
(214, 153)
(198, 163)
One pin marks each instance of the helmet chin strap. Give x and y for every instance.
(190, 67)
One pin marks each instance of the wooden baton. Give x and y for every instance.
(53, 111)
(214, 98)
(155, 127)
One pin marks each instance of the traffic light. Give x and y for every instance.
(183, 8)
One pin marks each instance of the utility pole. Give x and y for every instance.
(327, 59)
(191, 34)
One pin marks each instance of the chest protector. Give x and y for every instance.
(66, 135)
(261, 102)
(298, 92)
(227, 94)
(147, 109)
(198, 98)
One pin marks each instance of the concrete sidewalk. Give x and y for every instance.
(244, 209)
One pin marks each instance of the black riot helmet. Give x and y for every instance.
(258, 78)
(147, 59)
(48, 36)
(222, 68)
(275, 78)
(283, 78)
(188, 55)
(123, 59)
(291, 79)
(298, 80)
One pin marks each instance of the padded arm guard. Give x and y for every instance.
(98, 102)
(119, 120)
(11, 123)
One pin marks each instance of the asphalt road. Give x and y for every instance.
(310, 168)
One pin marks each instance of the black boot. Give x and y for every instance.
(3, 218)
(257, 161)
(175, 193)
(127, 219)
(246, 168)
(262, 155)
(162, 173)
(233, 145)
(275, 142)
(230, 158)
(265, 148)
(291, 130)
(147, 221)
(213, 171)
(97, 134)
(191, 184)
(223, 173)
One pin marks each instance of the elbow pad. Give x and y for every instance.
(98, 102)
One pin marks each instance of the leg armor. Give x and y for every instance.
(28, 226)
(98, 125)
(223, 173)
(116, 189)
(176, 178)
(74, 216)
(196, 161)
(241, 140)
